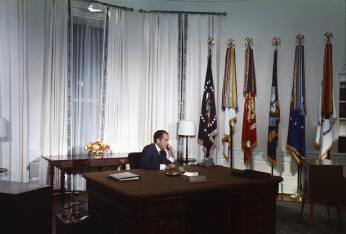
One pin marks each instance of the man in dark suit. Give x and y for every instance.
(154, 156)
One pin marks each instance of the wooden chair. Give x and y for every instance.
(134, 160)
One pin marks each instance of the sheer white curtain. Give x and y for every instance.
(14, 88)
(53, 116)
(53, 126)
(117, 124)
(87, 49)
(200, 27)
(159, 84)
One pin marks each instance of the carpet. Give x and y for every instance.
(289, 220)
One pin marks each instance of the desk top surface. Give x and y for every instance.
(319, 162)
(156, 183)
(82, 157)
(12, 187)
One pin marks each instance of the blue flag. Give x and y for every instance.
(296, 129)
(207, 123)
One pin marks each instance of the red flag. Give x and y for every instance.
(249, 137)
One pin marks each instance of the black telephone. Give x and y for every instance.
(207, 162)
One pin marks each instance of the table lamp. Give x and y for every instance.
(3, 135)
(186, 129)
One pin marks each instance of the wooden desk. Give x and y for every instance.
(25, 208)
(72, 164)
(321, 183)
(230, 201)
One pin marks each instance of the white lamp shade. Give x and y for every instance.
(3, 128)
(186, 128)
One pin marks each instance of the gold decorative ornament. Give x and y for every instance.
(328, 36)
(96, 148)
(300, 39)
(276, 42)
(211, 42)
(248, 41)
(231, 43)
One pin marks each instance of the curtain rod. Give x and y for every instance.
(108, 4)
(184, 12)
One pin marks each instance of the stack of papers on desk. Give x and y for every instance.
(194, 176)
(199, 178)
(124, 176)
(188, 173)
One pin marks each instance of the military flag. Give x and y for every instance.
(207, 123)
(274, 114)
(229, 98)
(296, 128)
(324, 135)
(249, 137)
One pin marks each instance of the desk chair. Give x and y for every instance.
(134, 160)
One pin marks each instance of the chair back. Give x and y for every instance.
(134, 160)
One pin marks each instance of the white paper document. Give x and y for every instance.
(188, 173)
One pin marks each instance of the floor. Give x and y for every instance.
(289, 220)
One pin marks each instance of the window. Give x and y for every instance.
(87, 63)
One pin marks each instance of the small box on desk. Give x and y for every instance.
(342, 144)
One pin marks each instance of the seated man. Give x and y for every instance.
(154, 156)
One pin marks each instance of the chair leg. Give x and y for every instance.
(328, 212)
(308, 228)
(302, 207)
(338, 210)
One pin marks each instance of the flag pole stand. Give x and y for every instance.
(298, 197)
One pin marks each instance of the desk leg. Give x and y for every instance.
(302, 207)
(51, 174)
(62, 185)
(338, 210)
(308, 229)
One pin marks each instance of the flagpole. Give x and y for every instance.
(327, 103)
(248, 96)
(300, 41)
(230, 43)
(208, 124)
(276, 42)
(297, 196)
